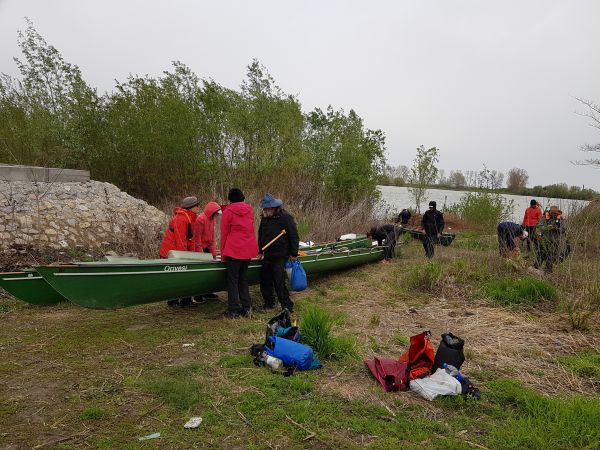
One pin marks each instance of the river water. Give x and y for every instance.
(395, 198)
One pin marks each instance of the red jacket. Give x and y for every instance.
(180, 234)
(532, 216)
(238, 239)
(204, 229)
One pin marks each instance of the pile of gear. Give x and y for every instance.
(424, 372)
(282, 350)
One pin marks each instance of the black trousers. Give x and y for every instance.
(238, 293)
(390, 245)
(272, 275)
(429, 245)
(506, 241)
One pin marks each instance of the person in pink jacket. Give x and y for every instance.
(238, 247)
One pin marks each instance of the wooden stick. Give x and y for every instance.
(311, 434)
(274, 240)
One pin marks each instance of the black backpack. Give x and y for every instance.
(450, 351)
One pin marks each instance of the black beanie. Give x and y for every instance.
(235, 195)
(432, 203)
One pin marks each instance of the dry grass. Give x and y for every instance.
(131, 365)
(501, 342)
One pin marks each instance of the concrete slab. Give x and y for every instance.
(10, 172)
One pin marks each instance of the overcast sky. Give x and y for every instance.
(486, 82)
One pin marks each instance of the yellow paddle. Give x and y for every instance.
(273, 240)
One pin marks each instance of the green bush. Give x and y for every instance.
(484, 209)
(585, 364)
(425, 277)
(523, 292)
(316, 327)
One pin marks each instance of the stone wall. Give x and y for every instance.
(91, 215)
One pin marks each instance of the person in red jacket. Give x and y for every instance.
(204, 229)
(238, 247)
(533, 214)
(204, 236)
(180, 236)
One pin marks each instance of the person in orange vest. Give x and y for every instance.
(552, 246)
(532, 217)
(180, 236)
(180, 233)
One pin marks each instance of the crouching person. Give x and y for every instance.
(276, 222)
(507, 233)
(385, 235)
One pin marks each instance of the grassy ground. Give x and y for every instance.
(76, 378)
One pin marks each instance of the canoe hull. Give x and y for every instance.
(30, 287)
(110, 286)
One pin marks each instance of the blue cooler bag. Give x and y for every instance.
(293, 354)
(298, 275)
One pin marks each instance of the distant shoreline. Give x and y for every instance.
(528, 193)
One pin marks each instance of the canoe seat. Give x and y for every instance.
(194, 256)
(110, 258)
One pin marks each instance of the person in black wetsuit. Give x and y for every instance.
(385, 235)
(433, 225)
(404, 217)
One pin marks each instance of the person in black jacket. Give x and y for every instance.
(507, 232)
(385, 235)
(404, 217)
(433, 225)
(274, 220)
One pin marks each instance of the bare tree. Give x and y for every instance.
(442, 177)
(592, 113)
(517, 179)
(471, 178)
(489, 179)
(423, 173)
(457, 179)
(403, 172)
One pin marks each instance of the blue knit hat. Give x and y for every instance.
(269, 201)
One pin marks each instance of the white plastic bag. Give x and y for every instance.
(440, 383)
(348, 237)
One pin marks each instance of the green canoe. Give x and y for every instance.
(108, 285)
(30, 287)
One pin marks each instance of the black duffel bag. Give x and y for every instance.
(450, 351)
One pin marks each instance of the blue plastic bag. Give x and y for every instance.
(293, 354)
(298, 277)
